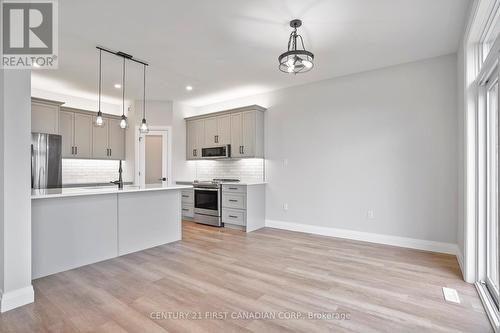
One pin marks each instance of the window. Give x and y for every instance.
(491, 30)
(492, 184)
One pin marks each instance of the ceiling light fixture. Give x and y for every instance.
(189, 88)
(118, 86)
(98, 120)
(296, 59)
(123, 121)
(144, 125)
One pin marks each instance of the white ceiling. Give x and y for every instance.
(228, 48)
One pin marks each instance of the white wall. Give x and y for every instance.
(384, 140)
(15, 109)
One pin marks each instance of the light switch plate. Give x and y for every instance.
(451, 295)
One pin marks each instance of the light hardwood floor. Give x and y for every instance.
(267, 272)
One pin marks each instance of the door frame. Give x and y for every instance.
(140, 153)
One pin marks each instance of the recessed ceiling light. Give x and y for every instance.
(189, 88)
(118, 86)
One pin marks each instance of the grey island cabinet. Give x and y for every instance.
(72, 227)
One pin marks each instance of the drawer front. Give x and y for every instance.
(238, 201)
(187, 196)
(234, 188)
(187, 210)
(233, 216)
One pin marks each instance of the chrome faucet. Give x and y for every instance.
(119, 182)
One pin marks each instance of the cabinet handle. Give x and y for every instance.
(232, 200)
(185, 196)
(72, 150)
(194, 152)
(110, 152)
(233, 217)
(185, 209)
(76, 150)
(232, 188)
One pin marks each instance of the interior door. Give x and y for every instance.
(236, 134)
(100, 140)
(154, 161)
(154, 158)
(66, 124)
(224, 130)
(83, 135)
(116, 140)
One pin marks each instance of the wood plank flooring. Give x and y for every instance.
(269, 272)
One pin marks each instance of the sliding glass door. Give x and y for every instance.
(493, 178)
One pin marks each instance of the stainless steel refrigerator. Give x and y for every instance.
(46, 160)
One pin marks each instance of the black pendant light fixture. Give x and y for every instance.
(123, 121)
(98, 120)
(296, 59)
(144, 125)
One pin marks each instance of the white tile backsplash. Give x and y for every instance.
(245, 169)
(76, 171)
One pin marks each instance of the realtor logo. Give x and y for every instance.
(29, 34)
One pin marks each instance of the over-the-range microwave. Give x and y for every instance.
(216, 152)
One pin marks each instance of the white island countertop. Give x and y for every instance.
(243, 182)
(81, 191)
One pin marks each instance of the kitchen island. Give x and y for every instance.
(72, 227)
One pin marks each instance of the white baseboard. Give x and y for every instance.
(16, 298)
(412, 243)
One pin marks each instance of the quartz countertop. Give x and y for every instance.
(246, 183)
(97, 190)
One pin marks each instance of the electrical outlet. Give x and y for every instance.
(370, 214)
(451, 295)
(285, 206)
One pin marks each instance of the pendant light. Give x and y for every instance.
(144, 126)
(296, 59)
(123, 121)
(98, 120)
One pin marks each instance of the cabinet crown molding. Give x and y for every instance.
(46, 101)
(253, 107)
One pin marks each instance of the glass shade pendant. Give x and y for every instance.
(99, 122)
(123, 121)
(144, 129)
(296, 59)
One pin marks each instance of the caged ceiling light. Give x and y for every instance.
(297, 59)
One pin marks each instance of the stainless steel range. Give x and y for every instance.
(208, 201)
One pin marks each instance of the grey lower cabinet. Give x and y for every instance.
(76, 132)
(45, 116)
(187, 199)
(243, 206)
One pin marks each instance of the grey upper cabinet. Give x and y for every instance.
(100, 149)
(83, 135)
(45, 116)
(66, 128)
(224, 129)
(242, 128)
(76, 132)
(210, 132)
(108, 141)
(195, 138)
(116, 139)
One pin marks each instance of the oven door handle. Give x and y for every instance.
(206, 189)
